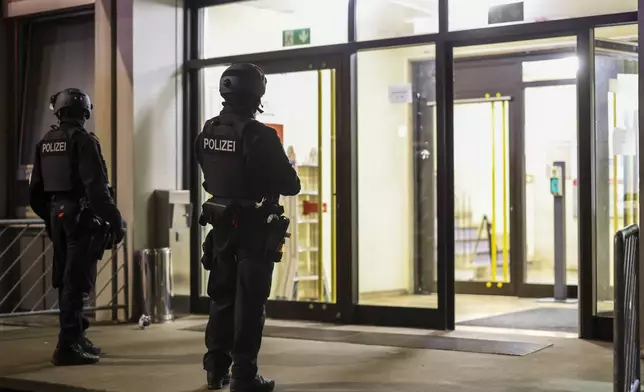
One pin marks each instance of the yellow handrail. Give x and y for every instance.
(615, 163)
(333, 192)
(493, 217)
(627, 191)
(320, 266)
(506, 255)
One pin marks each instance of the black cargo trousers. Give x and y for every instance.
(74, 270)
(239, 286)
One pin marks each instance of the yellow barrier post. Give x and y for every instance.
(506, 255)
(493, 217)
(320, 266)
(615, 164)
(333, 192)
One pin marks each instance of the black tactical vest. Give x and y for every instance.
(224, 161)
(56, 159)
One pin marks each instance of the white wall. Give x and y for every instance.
(253, 27)
(385, 174)
(386, 18)
(468, 14)
(550, 135)
(158, 56)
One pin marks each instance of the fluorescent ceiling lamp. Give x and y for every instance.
(413, 6)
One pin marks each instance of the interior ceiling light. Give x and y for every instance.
(413, 6)
(283, 6)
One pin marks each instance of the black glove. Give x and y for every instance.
(209, 247)
(118, 233)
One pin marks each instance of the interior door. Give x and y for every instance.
(482, 193)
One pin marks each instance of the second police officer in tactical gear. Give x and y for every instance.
(69, 191)
(245, 170)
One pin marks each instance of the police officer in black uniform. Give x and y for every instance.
(245, 170)
(69, 191)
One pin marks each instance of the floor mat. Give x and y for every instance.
(538, 319)
(427, 342)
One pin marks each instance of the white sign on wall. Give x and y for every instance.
(624, 141)
(267, 107)
(400, 93)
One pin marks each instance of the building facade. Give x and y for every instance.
(427, 134)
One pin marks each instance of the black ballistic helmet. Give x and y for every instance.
(244, 80)
(71, 98)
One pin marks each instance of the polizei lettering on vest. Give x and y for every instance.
(219, 145)
(54, 147)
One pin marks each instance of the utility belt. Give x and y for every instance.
(224, 216)
(84, 218)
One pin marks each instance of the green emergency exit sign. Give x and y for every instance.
(296, 37)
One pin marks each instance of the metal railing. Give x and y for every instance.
(626, 352)
(26, 263)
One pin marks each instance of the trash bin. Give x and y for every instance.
(154, 270)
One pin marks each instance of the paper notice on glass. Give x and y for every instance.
(624, 141)
(400, 93)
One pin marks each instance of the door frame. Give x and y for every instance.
(516, 162)
(518, 285)
(590, 326)
(304, 310)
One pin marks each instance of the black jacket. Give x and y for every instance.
(92, 175)
(268, 167)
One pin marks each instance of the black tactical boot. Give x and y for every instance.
(90, 347)
(257, 384)
(217, 382)
(73, 355)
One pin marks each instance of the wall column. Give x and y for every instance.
(113, 117)
(4, 116)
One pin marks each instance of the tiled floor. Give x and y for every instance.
(164, 358)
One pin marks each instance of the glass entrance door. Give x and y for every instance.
(400, 278)
(616, 150)
(515, 117)
(305, 125)
(300, 105)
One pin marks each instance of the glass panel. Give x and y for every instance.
(616, 164)
(307, 272)
(550, 136)
(307, 129)
(481, 191)
(397, 177)
(377, 19)
(469, 14)
(269, 25)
